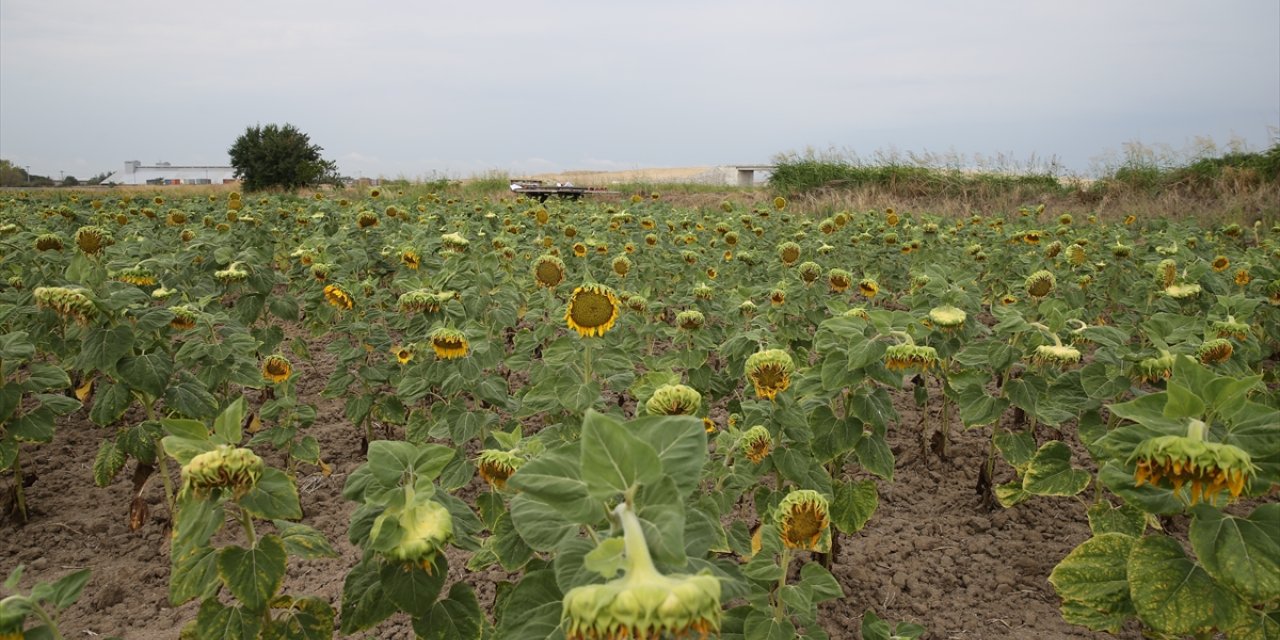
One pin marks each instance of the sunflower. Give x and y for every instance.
(909, 357)
(803, 520)
(1182, 291)
(712, 273)
(411, 259)
(68, 303)
(138, 276)
(454, 242)
(49, 242)
(92, 240)
(839, 280)
(496, 466)
(809, 272)
(1040, 284)
(449, 343)
(366, 219)
(868, 287)
(403, 354)
(708, 425)
(891, 218)
(1221, 263)
(779, 203)
(276, 369)
(690, 320)
(1208, 467)
(1076, 254)
(592, 310)
(184, 318)
(335, 296)
(622, 266)
(579, 249)
(1051, 355)
(1032, 237)
(755, 444)
(1215, 351)
(1242, 277)
(947, 317)
(232, 274)
(673, 400)
(1231, 328)
(1167, 272)
(703, 292)
(777, 297)
(789, 252)
(770, 372)
(548, 271)
(570, 231)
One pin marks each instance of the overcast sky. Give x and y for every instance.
(417, 89)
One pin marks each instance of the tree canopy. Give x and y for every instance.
(274, 156)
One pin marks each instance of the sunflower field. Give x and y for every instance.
(654, 421)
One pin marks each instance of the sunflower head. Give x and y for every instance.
(779, 203)
(857, 312)
(789, 252)
(839, 280)
(674, 400)
(1076, 254)
(777, 297)
(690, 320)
(579, 250)
(184, 317)
(1220, 264)
(403, 353)
(910, 357)
(621, 266)
(592, 311)
(337, 297)
(703, 291)
(636, 303)
(232, 274)
(366, 220)
(66, 302)
(755, 444)
(1033, 237)
(1154, 369)
(449, 343)
(1215, 351)
(770, 372)
(947, 317)
(1052, 249)
(1051, 355)
(1040, 284)
(138, 276)
(1182, 291)
(1231, 328)
(1242, 277)
(225, 467)
(276, 369)
(496, 465)
(868, 287)
(454, 242)
(49, 242)
(809, 272)
(411, 259)
(548, 271)
(92, 240)
(747, 308)
(1207, 468)
(803, 520)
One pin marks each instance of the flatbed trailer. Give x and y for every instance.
(539, 191)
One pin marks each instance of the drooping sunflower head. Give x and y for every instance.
(66, 302)
(232, 274)
(674, 400)
(839, 280)
(747, 308)
(1221, 263)
(1154, 369)
(276, 369)
(803, 520)
(1242, 277)
(703, 291)
(770, 372)
(454, 242)
(1232, 328)
(225, 467)
(548, 271)
(756, 443)
(449, 343)
(1051, 355)
(789, 252)
(1182, 291)
(857, 312)
(690, 320)
(1167, 272)
(337, 297)
(644, 605)
(636, 303)
(92, 240)
(49, 242)
(411, 259)
(184, 317)
(919, 281)
(1040, 284)
(496, 466)
(1120, 251)
(910, 357)
(592, 311)
(947, 317)
(1207, 468)
(809, 272)
(777, 297)
(1076, 254)
(1052, 249)
(1033, 236)
(621, 266)
(868, 287)
(366, 220)
(1215, 351)
(138, 276)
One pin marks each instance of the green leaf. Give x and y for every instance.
(854, 504)
(1099, 384)
(875, 455)
(511, 550)
(1126, 519)
(254, 575)
(1241, 553)
(218, 622)
(1182, 402)
(821, 584)
(1017, 447)
(36, 426)
(760, 625)
(1094, 575)
(184, 449)
(45, 377)
(1010, 494)
(274, 497)
(191, 400)
(978, 409)
(10, 398)
(16, 346)
(607, 558)
(541, 526)
(147, 373)
(411, 588)
(457, 617)
(613, 460)
(67, 589)
(303, 541)
(364, 599)
(308, 618)
(681, 444)
(109, 403)
(531, 610)
(552, 478)
(1171, 593)
(109, 461)
(60, 405)
(228, 425)
(1050, 472)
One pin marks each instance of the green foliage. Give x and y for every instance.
(43, 604)
(280, 157)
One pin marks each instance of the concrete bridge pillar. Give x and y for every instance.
(746, 177)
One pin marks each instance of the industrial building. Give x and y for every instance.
(162, 173)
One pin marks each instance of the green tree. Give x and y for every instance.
(279, 157)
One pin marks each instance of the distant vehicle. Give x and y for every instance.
(540, 190)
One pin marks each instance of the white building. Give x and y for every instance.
(165, 173)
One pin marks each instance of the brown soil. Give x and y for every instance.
(932, 553)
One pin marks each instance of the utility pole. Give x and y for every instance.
(28, 168)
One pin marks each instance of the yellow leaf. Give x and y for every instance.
(83, 391)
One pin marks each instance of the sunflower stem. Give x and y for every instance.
(780, 607)
(639, 562)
